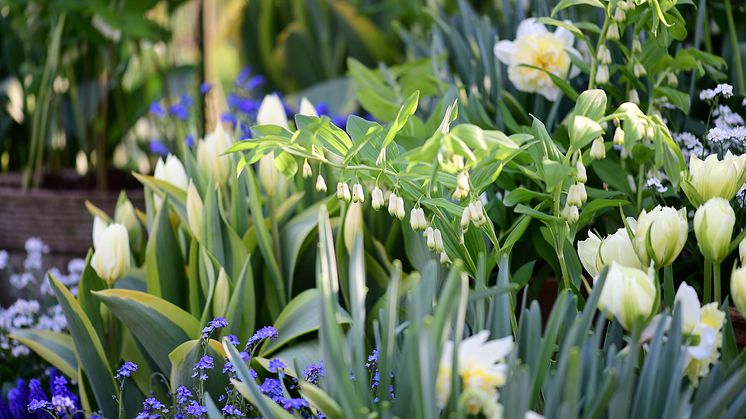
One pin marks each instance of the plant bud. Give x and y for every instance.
(738, 288)
(574, 197)
(222, 295)
(613, 32)
(466, 217)
(357, 193)
(634, 97)
(462, 181)
(273, 182)
(111, 259)
(210, 158)
(400, 213)
(438, 237)
(417, 219)
(619, 15)
(619, 136)
(604, 54)
(343, 192)
(636, 46)
(571, 214)
(194, 211)
(430, 238)
(602, 74)
(713, 227)
(660, 235)
(393, 199)
(444, 259)
(639, 70)
(99, 225)
(306, 108)
(320, 184)
(307, 171)
(672, 80)
(712, 177)
(598, 149)
(272, 112)
(742, 251)
(377, 198)
(171, 171)
(353, 224)
(688, 301)
(581, 174)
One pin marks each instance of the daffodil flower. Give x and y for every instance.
(536, 46)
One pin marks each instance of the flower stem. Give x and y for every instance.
(668, 288)
(708, 283)
(716, 277)
(736, 50)
(601, 41)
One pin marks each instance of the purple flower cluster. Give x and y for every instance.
(200, 369)
(28, 401)
(126, 370)
(265, 333)
(276, 366)
(314, 372)
(152, 409)
(197, 410)
(213, 325)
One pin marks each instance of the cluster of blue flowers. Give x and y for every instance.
(30, 400)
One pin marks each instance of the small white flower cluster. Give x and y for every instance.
(689, 143)
(718, 135)
(741, 196)
(725, 117)
(655, 182)
(723, 89)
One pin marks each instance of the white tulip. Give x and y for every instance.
(662, 231)
(272, 112)
(738, 288)
(480, 365)
(535, 45)
(306, 108)
(99, 225)
(596, 253)
(194, 211)
(211, 160)
(111, 260)
(628, 294)
(171, 171)
(713, 227)
(717, 178)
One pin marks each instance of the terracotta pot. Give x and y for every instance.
(57, 216)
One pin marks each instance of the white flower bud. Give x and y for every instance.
(476, 212)
(581, 175)
(742, 251)
(343, 192)
(598, 149)
(466, 217)
(713, 227)
(636, 46)
(619, 136)
(604, 54)
(353, 224)
(619, 14)
(660, 235)
(400, 213)
(377, 198)
(194, 211)
(222, 295)
(444, 259)
(210, 158)
(307, 171)
(320, 184)
(613, 32)
(462, 181)
(602, 74)
(438, 237)
(273, 182)
(574, 197)
(639, 70)
(171, 171)
(357, 193)
(738, 288)
(430, 238)
(99, 225)
(112, 257)
(672, 80)
(571, 214)
(628, 294)
(393, 199)
(634, 97)
(417, 219)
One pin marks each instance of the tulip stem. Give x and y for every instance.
(668, 288)
(716, 276)
(708, 283)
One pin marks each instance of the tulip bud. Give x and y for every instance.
(574, 196)
(717, 178)
(357, 193)
(571, 214)
(306, 108)
(660, 235)
(619, 136)
(430, 238)
(377, 198)
(353, 224)
(628, 294)
(171, 171)
(688, 302)
(194, 211)
(99, 225)
(272, 112)
(713, 227)
(581, 175)
(210, 158)
(738, 288)
(111, 259)
(598, 149)
(307, 171)
(221, 297)
(602, 74)
(273, 182)
(634, 97)
(320, 184)
(343, 192)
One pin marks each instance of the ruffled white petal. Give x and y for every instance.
(530, 27)
(504, 51)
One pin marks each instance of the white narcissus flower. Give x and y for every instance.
(534, 45)
(628, 294)
(712, 177)
(210, 155)
(111, 260)
(479, 365)
(713, 227)
(662, 231)
(708, 335)
(596, 253)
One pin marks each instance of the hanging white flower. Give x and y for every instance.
(535, 45)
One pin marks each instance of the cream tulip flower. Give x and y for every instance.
(211, 158)
(596, 253)
(171, 171)
(628, 294)
(534, 45)
(306, 108)
(480, 365)
(713, 227)
(661, 234)
(712, 177)
(271, 112)
(194, 211)
(738, 288)
(99, 225)
(111, 260)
